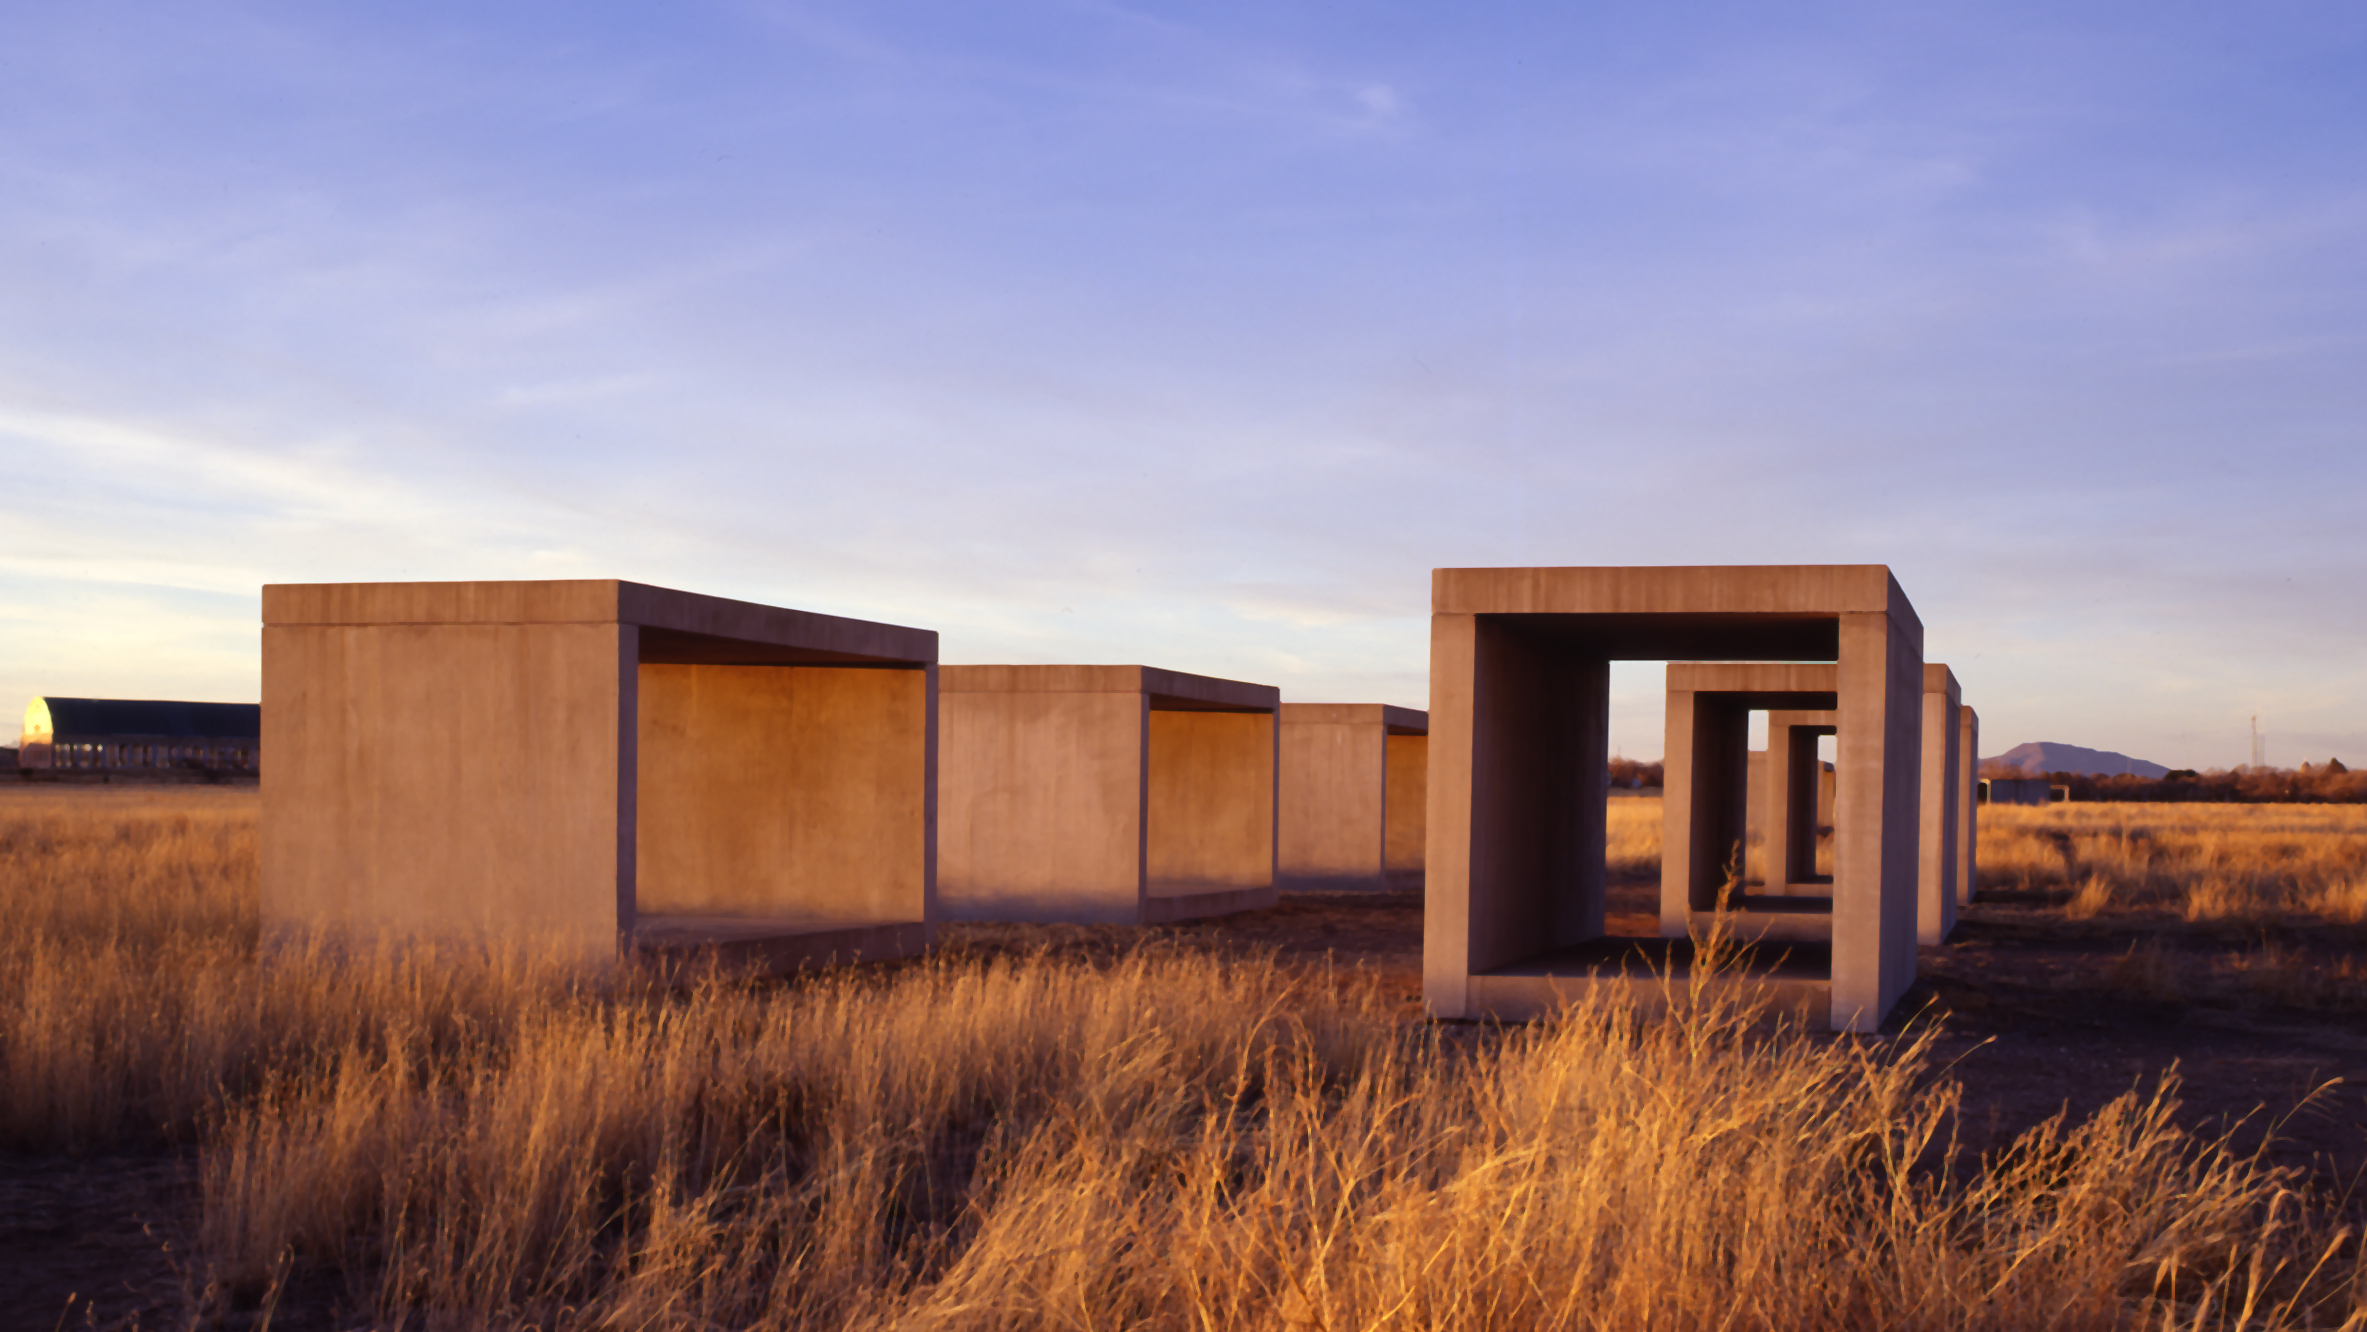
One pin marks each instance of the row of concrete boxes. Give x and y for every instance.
(590, 762)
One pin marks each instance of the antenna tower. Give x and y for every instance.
(2259, 757)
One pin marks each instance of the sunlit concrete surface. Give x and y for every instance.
(1120, 794)
(1968, 803)
(592, 761)
(1352, 796)
(1935, 903)
(1519, 714)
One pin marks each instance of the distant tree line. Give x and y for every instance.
(1633, 774)
(2317, 784)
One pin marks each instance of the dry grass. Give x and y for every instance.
(1631, 838)
(1169, 1141)
(2242, 864)
(2281, 889)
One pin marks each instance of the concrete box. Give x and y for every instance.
(1935, 910)
(1112, 794)
(598, 761)
(1793, 815)
(1519, 712)
(1703, 802)
(1352, 798)
(1813, 819)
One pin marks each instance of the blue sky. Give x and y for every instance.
(1198, 335)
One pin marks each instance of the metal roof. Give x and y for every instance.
(146, 717)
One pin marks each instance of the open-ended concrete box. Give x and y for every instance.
(1795, 815)
(1703, 801)
(1936, 896)
(1708, 707)
(589, 762)
(1104, 794)
(1514, 919)
(1352, 796)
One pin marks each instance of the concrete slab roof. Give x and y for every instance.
(1169, 691)
(677, 627)
(1776, 612)
(1404, 721)
(1938, 679)
(1787, 685)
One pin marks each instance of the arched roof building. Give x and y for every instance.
(118, 734)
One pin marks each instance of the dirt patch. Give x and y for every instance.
(93, 1242)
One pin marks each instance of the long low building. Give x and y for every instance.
(141, 736)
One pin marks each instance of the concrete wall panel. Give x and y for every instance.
(1877, 807)
(448, 779)
(1211, 802)
(1043, 805)
(1334, 793)
(783, 792)
(1404, 842)
(1539, 746)
(1968, 803)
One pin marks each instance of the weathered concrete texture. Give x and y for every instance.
(1519, 681)
(593, 761)
(1406, 842)
(1703, 803)
(1968, 804)
(1115, 794)
(1351, 796)
(1935, 904)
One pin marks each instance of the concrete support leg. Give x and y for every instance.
(1703, 793)
(1968, 803)
(450, 779)
(1877, 801)
(1935, 907)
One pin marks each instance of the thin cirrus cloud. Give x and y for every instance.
(1200, 335)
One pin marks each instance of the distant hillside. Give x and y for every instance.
(2054, 756)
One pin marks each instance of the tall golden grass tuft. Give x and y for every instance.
(462, 1138)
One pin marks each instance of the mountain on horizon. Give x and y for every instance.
(2055, 756)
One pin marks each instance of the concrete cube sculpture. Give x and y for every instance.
(1104, 794)
(1703, 797)
(595, 761)
(1813, 822)
(1519, 686)
(1935, 911)
(1968, 802)
(1794, 803)
(1352, 796)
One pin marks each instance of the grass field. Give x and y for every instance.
(1168, 1137)
(2261, 905)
